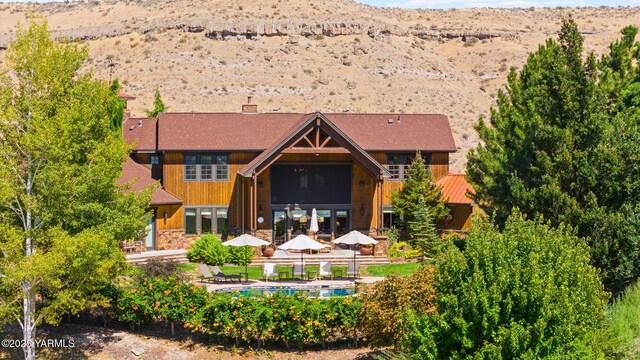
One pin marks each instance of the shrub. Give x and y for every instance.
(624, 317)
(240, 255)
(208, 250)
(528, 292)
(401, 249)
(149, 300)
(291, 319)
(159, 268)
(386, 304)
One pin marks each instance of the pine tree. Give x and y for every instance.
(564, 143)
(423, 232)
(418, 187)
(158, 106)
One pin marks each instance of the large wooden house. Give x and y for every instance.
(263, 173)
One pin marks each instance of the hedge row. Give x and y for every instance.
(289, 319)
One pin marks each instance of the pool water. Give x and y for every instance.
(313, 291)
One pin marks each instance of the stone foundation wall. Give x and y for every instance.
(174, 239)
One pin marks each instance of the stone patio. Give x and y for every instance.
(366, 280)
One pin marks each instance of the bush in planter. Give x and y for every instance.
(208, 250)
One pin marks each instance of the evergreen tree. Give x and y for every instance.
(418, 187)
(423, 232)
(158, 106)
(62, 215)
(564, 143)
(116, 113)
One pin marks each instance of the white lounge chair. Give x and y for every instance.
(269, 270)
(325, 269)
(298, 270)
(353, 269)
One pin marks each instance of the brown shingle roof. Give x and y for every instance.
(238, 131)
(455, 189)
(296, 131)
(141, 129)
(141, 178)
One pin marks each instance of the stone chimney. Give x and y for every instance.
(249, 107)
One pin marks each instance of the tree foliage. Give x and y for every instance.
(423, 232)
(208, 250)
(62, 214)
(158, 105)
(240, 255)
(564, 142)
(527, 292)
(418, 189)
(388, 305)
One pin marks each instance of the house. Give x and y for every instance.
(263, 173)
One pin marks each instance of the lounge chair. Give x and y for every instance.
(298, 270)
(269, 270)
(205, 272)
(325, 269)
(219, 275)
(353, 269)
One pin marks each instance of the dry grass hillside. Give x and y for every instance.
(301, 55)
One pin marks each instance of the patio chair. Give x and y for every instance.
(353, 269)
(298, 270)
(269, 270)
(219, 275)
(205, 272)
(325, 269)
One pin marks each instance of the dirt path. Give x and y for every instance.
(106, 344)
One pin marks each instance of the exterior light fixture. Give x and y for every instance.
(361, 210)
(260, 211)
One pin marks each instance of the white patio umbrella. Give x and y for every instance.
(355, 238)
(301, 242)
(246, 240)
(313, 227)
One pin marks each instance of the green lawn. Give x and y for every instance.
(255, 271)
(384, 270)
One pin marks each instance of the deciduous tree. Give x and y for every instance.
(62, 215)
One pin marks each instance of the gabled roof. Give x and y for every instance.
(456, 189)
(142, 130)
(141, 179)
(258, 131)
(292, 135)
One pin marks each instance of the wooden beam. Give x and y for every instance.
(316, 151)
(318, 137)
(325, 141)
(308, 141)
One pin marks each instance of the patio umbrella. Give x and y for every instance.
(355, 238)
(313, 227)
(301, 242)
(245, 240)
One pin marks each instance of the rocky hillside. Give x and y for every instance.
(301, 55)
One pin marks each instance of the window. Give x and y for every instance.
(398, 165)
(206, 167)
(190, 167)
(154, 159)
(205, 220)
(190, 221)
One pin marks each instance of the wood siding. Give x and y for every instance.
(462, 215)
(200, 193)
(236, 192)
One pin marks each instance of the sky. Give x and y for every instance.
(445, 4)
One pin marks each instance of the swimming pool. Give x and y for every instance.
(313, 291)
